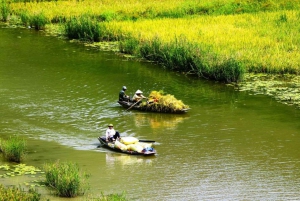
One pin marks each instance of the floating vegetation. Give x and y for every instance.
(284, 88)
(160, 102)
(18, 170)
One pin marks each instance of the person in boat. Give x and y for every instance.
(138, 96)
(122, 95)
(111, 135)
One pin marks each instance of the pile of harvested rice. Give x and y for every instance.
(159, 102)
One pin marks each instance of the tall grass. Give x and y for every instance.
(66, 179)
(4, 10)
(112, 197)
(84, 28)
(38, 21)
(14, 193)
(13, 148)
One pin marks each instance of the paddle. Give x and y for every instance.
(133, 104)
(149, 141)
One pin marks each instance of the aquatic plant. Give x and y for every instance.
(66, 179)
(112, 197)
(14, 193)
(84, 28)
(38, 21)
(13, 148)
(4, 10)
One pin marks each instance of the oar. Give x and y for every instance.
(149, 141)
(133, 104)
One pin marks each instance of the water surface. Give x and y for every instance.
(60, 97)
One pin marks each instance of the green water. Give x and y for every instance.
(60, 96)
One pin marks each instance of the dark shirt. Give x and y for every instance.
(122, 96)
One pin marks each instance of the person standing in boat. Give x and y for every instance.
(110, 134)
(122, 95)
(138, 96)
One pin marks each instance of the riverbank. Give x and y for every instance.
(210, 39)
(283, 88)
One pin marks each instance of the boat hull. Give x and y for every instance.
(127, 105)
(109, 146)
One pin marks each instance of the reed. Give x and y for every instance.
(13, 148)
(4, 10)
(66, 179)
(38, 21)
(14, 193)
(83, 28)
(112, 197)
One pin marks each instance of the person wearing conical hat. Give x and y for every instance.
(138, 96)
(111, 134)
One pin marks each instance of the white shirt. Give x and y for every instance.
(137, 97)
(110, 133)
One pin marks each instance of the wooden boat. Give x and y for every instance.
(133, 106)
(111, 146)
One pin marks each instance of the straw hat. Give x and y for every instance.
(138, 92)
(110, 125)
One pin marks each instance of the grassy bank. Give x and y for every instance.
(219, 40)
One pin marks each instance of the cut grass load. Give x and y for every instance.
(158, 101)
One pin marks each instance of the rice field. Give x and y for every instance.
(217, 39)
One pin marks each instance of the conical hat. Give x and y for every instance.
(138, 92)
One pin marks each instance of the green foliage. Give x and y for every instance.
(129, 46)
(228, 71)
(84, 28)
(185, 57)
(112, 197)
(25, 19)
(13, 149)
(66, 179)
(107, 16)
(38, 21)
(14, 193)
(4, 10)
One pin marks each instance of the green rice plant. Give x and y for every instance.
(13, 148)
(66, 179)
(83, 28)
(129, 46)
(112, 197)
(38, 21)
(107, 16)
(24, 16)
(4, 10)
(14, 193)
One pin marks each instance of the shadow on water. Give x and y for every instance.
(61, 96)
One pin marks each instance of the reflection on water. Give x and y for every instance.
(155, 121)
(126, 160)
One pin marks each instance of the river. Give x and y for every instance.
(60, 96)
